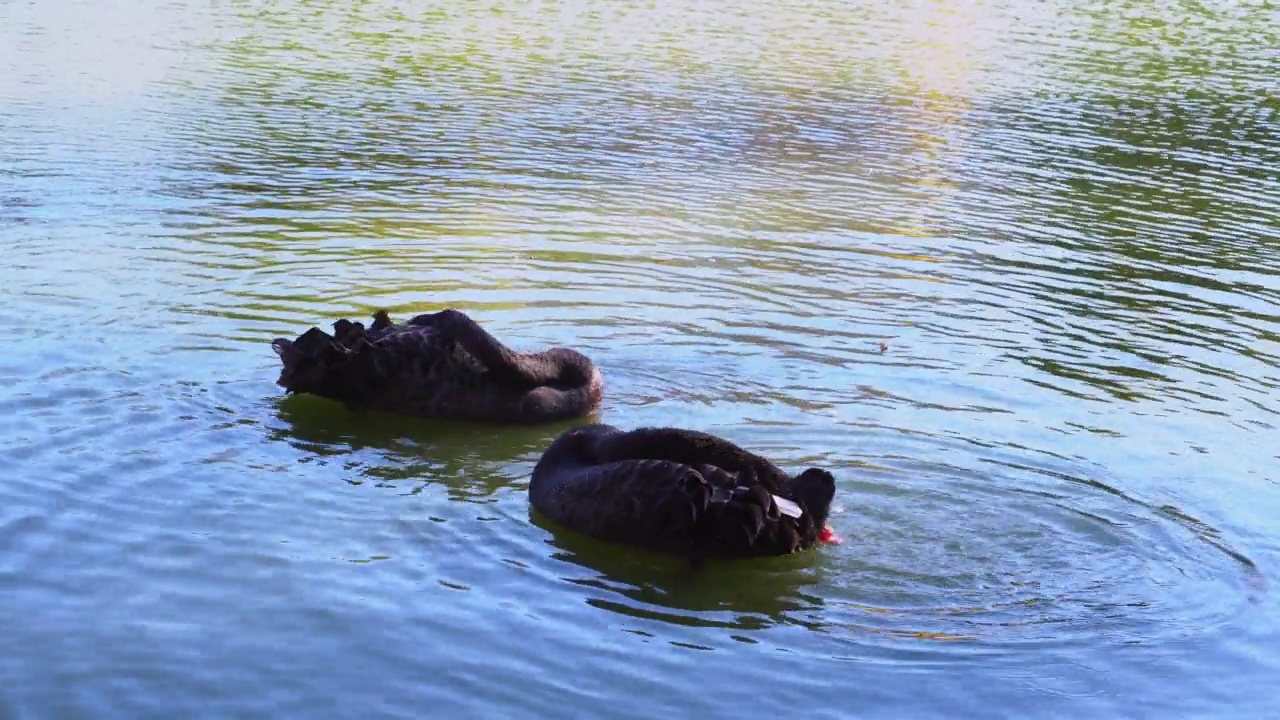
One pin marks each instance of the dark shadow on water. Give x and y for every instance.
(389, 450)
(747, 596)
(741, 594)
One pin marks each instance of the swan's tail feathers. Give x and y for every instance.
(341, 366)
(381, 321)
(348, 333)
(308, 361)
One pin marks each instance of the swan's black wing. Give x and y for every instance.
(694, 448)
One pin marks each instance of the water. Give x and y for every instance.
(1056, 480)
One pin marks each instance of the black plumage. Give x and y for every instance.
(441, 365)
(679, 491)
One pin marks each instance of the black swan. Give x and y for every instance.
(441, 365)
(680, 492)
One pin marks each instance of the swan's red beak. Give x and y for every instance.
(829, 536)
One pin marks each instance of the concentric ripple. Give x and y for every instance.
(996, 554)
(1005, 554)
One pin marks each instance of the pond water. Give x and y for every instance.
(1009, 270)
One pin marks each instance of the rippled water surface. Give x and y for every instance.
(1009, 269)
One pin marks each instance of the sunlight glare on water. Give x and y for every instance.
(1009, 270)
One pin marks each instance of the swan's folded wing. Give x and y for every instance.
(692, 447)
(649, 501)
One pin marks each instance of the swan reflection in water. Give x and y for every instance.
(469, 460)
(749, 594)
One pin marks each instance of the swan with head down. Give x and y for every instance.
(441, 365)
(679, 491)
